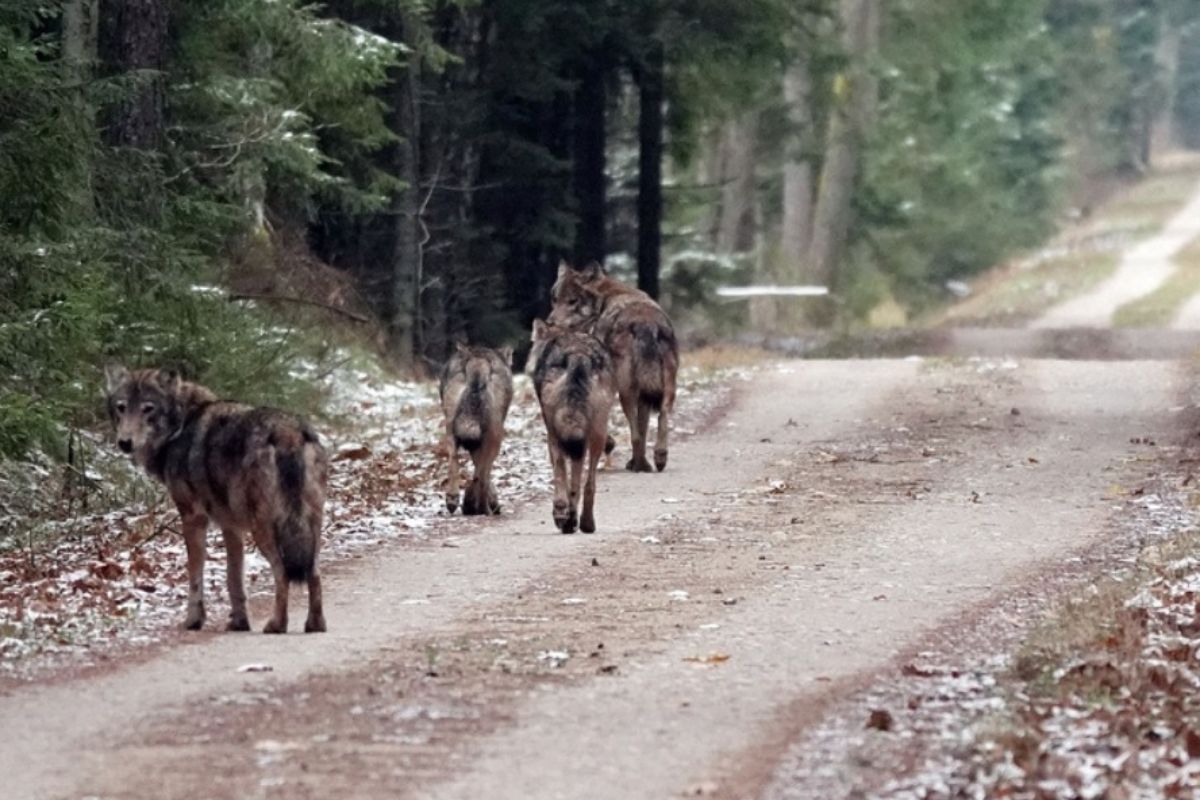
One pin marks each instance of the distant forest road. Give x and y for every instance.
(831, 518)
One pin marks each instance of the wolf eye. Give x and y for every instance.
(120, 406)
(147, 408)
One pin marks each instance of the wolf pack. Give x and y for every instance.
(264, 471)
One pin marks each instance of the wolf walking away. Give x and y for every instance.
(476, 391)
(641, 339)
(573, 378)
(244, 468)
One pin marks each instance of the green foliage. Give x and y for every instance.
(273, 95)
(961, 166)
(43, 146)
(723, 57)
(114, 254)
(1106, 59)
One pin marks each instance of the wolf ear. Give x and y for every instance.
(593, 271)
(114, 375)
(564, 269)
(169, 380)
(539, 329)
(460, 347)
(506, 354)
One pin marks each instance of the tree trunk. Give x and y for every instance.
(797, 171)
(734, 226)
(855, 94)
(590, 141)
(133, 38)
(650, 155)
(80, 31)
(1163, 138)
(787, 265)
(404, 275)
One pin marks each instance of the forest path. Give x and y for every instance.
(1142, 270)
(838, 512)
(1188, 317)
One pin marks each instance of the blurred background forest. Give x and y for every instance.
(232, 185)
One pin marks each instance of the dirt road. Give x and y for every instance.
(1143, 269)
(836, 513)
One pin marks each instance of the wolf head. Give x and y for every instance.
(470, 363)
(576, 301)
(146, 408)
(543, 334)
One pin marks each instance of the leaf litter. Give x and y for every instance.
(1119, 717)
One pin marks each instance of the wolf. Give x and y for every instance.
(641, 339)
(573, 378)
(244, 468)
(476, 391)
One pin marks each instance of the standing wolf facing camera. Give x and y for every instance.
(639, 335)
(244, 468)
(476, 390)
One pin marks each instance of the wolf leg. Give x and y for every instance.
(452, 479)
(573, 495)
(235, 549)
(641, 429)
(316, 613)
(488, 502)
(279, 619)
(195, 525)
(663, 433)
(558, 461)
(587, 521)
(637, 460)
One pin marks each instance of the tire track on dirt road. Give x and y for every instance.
(54, 740)
(903, 494)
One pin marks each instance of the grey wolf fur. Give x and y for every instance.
(641, 339)
(573, 378)
(244, 468)
(476, 391)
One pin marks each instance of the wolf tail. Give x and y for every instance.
(649, 367)
(298, 529)
(471, 416)
(571, 418)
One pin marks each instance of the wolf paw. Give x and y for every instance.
(452, 503)
(660, 460)
(570, 523)
(315, 623)
(472, 504)
(587, 525)
(195, 620)
(275, 626)
(238, 624)
(639, 465)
